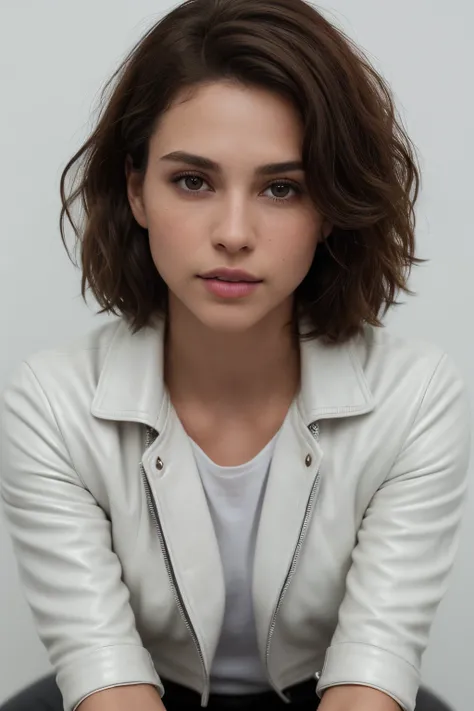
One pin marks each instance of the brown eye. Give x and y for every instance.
(284, 186)
(193, 182)
(190, 182)
(280, 188)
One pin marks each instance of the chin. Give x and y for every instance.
(230, 321)
(231, 318)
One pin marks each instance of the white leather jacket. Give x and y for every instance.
(116, 547)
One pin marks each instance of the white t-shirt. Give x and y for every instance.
(235, 496)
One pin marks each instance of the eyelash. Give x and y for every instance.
(296, 187)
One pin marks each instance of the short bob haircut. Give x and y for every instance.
(360, 165)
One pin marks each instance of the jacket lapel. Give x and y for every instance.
(188, 531)
(131, 388)
(332, 386)
(295, 465)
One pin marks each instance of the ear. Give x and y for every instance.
(134, 180)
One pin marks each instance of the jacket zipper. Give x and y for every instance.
(314, 428)
(150, 437)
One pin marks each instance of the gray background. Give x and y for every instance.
(55, 56)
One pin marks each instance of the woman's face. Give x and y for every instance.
(229, 214)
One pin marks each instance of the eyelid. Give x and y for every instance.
(196, 173)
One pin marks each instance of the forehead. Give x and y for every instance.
(228, 119)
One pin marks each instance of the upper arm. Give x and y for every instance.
(405, 549)
(62, 542)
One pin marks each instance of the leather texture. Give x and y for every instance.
(115, 544)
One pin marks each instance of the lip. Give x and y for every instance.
(233, 290)
(234, 275)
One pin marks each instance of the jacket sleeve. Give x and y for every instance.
(62, 542)
(405, 550)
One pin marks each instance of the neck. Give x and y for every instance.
(231, 371)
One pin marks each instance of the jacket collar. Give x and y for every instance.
(333, 382)
(131, 386)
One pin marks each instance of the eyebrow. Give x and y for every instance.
(207, 164)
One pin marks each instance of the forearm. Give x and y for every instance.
(124, 698)
(356, 698)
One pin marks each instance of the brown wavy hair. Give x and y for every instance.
(361, 167)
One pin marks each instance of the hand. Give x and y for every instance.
(124, 698)
(356, 698)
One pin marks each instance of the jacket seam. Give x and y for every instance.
(99, 648)
(409, 426)
(56, 422)
(361, 379)
(425, 393)
(376, 646)
(423, 397)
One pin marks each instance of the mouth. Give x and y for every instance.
(230, 287)
(230, 276)
(232, 281)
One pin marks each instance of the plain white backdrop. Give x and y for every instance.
(55, 56)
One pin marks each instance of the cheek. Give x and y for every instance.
(166, 227)
(173, 238)
(294, 247)
(168, 218)
(166, 212)
(165, 249)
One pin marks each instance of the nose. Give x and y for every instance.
(234, 230)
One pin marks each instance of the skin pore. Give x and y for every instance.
(232, 365)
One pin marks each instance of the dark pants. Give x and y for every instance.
(44, 695)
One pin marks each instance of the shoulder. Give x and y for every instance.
(411, 381)
(396, 361)
(62, 368)
(383, 345)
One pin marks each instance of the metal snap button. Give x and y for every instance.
(159, 464)
(309, 460)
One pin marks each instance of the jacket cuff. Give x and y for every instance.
(103, 669)
(365, 665)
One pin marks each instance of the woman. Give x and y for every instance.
(241, 488)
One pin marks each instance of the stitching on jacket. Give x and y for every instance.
(55, 419)
(408, 428)
(422, 400)
(376, 646)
